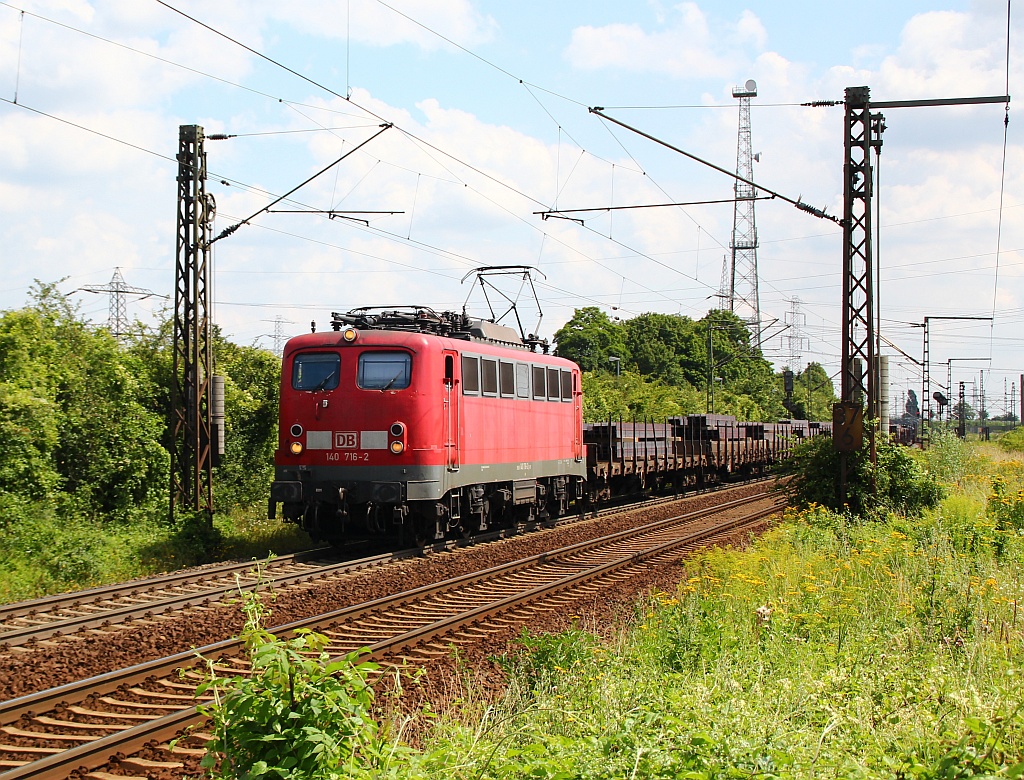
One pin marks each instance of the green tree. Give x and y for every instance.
(630, 396)
(748, 386)
(667, 347)
(251, 388)
(813, 393)
(590, 338)
(668, 361)
(69, 401)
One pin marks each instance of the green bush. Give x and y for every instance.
(897, 484)
(1013, 441)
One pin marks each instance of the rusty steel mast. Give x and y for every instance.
(863, 131)
(193, 444)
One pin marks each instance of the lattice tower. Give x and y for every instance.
(117, 320)
(744, 299)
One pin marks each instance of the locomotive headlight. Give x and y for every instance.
(397, 436)
(296, 448)
(349, 334)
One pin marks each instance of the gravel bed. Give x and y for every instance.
(49, 664)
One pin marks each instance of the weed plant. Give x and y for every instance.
(297, 714)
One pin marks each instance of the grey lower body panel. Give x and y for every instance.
(394, 484)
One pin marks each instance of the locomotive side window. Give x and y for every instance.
(522, 380)
(539, 393)
(507, 378)
(553, 385)
(384, 370)
(470, 375)
(489, 376)
(316, 371)
(566, 385)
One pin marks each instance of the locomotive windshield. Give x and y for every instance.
(384, 370)
(316, 371)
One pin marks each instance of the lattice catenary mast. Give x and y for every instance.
(194, 434)
(744, 299)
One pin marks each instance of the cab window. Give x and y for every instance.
(316, 371)
(384, 370)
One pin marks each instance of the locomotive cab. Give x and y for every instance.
(392, 431)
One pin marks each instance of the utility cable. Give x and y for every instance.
(405, 132)
(476, 56)
(232, 228)
(292, 103)
(89, 130)
(1002, 176)
(799, 203)
(138, 51)
(700, 105)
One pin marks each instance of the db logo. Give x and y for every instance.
(345, 440)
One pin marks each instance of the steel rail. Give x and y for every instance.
(88, 596)
(58, 765)
(13, 709)
(447, 625)
(103, 617)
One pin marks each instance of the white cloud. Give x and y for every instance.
(750, 30)
(79, 204)
(368, 21)
(690, 46)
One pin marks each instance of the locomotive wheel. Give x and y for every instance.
(319, 521)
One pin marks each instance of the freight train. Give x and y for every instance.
(404, 423)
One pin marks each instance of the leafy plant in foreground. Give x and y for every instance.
(298, 715)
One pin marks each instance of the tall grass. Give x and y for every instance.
(45, 550)
(829, 648)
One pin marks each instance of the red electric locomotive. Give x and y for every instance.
(403, 422)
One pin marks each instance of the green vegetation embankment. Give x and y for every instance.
(885, 644)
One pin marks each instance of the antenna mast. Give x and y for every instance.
(744, 299)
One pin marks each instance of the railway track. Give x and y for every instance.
(49, 734)
(67, 613)
(106, 607)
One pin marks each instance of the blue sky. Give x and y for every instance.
(489, 102)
